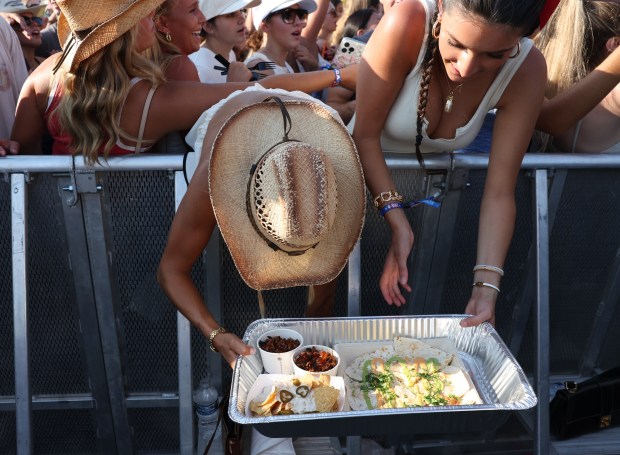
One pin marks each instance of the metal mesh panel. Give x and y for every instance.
(7, 359)
(56, 366)
(610, 353)
(8, 432)
(141, 209)
(155, 429)
(64, 432)
(582, 248)
(376, 240)
(457, 288)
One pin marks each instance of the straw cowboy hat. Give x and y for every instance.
(16, 6)
(267, 7)
(86, 26)
(214, 8)
(286, 185)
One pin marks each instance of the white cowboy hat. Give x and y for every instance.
(214, 8)
(271, 6)
(286, 185)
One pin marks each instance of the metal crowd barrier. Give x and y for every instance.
(117, 362)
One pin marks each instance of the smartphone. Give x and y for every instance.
(348, 52)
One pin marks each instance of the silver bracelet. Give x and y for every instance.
(489, 268)
(482, 284)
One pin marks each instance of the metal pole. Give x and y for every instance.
(23, 403)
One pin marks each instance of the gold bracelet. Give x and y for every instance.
(387, 196)
(213, 335)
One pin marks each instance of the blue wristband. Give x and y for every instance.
(389, 206)
(338, 77)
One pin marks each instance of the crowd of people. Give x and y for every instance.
(435, 75)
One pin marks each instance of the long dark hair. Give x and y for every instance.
(356, 22)
(523, 15)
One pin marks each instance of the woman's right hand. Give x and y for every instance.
(8, 147)
(238, 72)
(395, 273)
(231, 347)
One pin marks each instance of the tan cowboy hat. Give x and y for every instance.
(36, 7)
(86, 26)
(287, 187)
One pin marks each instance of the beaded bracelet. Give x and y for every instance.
(213, 335)
(480, 284)
(338, 77)
(489, 268)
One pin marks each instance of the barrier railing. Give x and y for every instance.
(86, 202)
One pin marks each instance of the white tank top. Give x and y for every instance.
(399, 130)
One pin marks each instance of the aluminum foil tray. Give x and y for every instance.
(498, 377)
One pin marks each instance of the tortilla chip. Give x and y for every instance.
(325, 398)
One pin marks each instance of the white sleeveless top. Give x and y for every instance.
(399, 130)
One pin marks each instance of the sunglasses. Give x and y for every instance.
(34, 20)
(288, 15)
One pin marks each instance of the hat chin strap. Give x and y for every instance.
(65, 53)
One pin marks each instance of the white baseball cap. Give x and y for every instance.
(271, 6)
(214, 8)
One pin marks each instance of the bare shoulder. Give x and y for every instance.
(407, 18)
(399, 36)
(529, 81)
(181, 68)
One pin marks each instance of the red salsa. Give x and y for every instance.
(315, 361)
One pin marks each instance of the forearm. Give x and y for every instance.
(566, 109)
(312, 81)
(182, 292)
(495, 229)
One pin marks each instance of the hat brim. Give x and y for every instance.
(232, 7)
(37, 10)
(248, 133)
(308, 5)
(102, 34)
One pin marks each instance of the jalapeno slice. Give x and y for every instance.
(286, 396)
(302, 391)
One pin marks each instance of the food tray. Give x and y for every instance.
(499, 379)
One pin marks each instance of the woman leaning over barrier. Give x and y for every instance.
(430, 73)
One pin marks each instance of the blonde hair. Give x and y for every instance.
(93, 97)
(573, 41)
(350, 6)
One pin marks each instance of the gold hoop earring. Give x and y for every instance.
(168, 37)
(436, 30)
(516, 54)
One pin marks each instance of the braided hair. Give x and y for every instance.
(427, 71)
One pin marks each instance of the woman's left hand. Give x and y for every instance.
(481, 306)
(303, 55)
